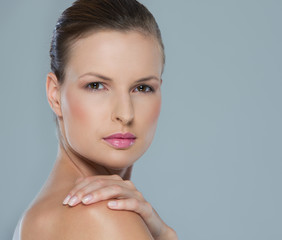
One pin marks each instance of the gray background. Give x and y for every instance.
(214, 170)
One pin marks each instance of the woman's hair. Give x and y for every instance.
(87, 16)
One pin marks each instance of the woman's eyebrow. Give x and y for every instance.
(95, 75)
(109, 79)
(148, 79)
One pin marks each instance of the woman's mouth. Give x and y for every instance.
(120, 140)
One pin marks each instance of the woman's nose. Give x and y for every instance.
(123, 110)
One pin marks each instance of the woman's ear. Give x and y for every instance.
(53, 93)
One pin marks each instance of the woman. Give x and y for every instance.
(107, 58)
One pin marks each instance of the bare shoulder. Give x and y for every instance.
(96, 221)
(90, 222)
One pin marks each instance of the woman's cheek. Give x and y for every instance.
(156, 110)
(153, 110)
(149, 116)
(76, 110)
(77, 118)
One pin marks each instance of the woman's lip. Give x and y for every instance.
(120, 143)
(121, 136)
(120, 140)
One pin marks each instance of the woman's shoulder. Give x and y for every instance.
(95, 221)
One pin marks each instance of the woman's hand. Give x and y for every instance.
(123, 196)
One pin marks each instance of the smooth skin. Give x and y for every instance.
(112, 85)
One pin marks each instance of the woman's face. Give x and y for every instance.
(112, 85)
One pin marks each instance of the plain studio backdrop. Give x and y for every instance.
(214, 170)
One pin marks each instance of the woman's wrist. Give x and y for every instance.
(168, 234)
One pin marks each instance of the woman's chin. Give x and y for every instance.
(118, 161)
(113, 159)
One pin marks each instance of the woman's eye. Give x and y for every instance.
(95, 86)
(143, 88)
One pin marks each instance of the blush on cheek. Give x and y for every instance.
(77, 112)
(152, 114)
(155, 111)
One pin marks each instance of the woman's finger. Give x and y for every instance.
(83, 182)
(100, 181)
(109, 192)
(95, 185)
(101, 189)
(143, 208)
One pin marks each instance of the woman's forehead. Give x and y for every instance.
(115, 52)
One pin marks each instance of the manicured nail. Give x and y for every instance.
(73, 201)
(112, 204)
(66, 200)
(87, 198)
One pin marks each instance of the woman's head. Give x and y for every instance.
(107, 60)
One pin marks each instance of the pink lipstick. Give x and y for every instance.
(120, 140)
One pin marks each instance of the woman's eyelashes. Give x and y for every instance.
(95, 86)
(144, 89)
(98, 86)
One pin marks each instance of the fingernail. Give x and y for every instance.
(66, 200)
(87, 198)
(112, 203)
(73, 201)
